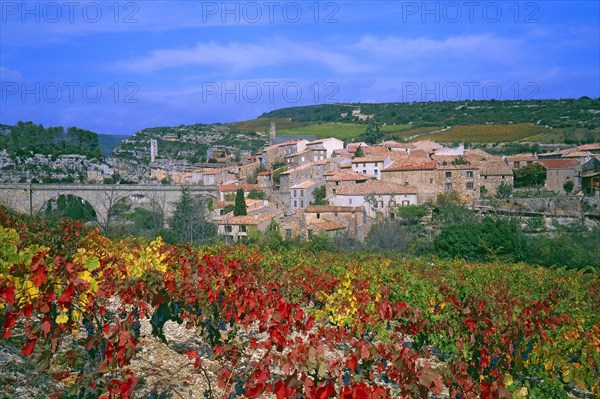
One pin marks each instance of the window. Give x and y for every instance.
(302, 159)
(349, 201)
(430, 181)
(376, 171)
(295, 204)
(288, 232)
(302, 193)
(364, 165)
(448, 186)
(295, 193)
(364, 172)
(405, 203)
(379, 204)
(335, 214)
(302, 204)
(469, 174)
(337, 183)
(243, 229)
(470, 185)
(448, 174)
(333, 191)
(318, 216)
(228, 229)
(392, 203)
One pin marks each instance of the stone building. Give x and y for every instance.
(351, 218)
(462, 178)
(492, 174)
(378, 198)
(419, 174)
(559, 171)
(371, 165)
(342, 178)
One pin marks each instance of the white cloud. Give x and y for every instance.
(247, 56)
(7, 74)
(480, 46)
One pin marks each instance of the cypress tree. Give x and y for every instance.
(240, 203)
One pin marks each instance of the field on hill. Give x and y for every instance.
(486, 133)
(289, 323)
(564, 113)
(565, 135)
(342, 131)
(263, 125)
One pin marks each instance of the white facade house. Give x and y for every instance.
(301, 195)
(330, 144)
(371, 165)
(378, 198)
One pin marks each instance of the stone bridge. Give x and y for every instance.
(32, 198)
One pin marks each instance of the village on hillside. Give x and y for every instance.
(324, 186)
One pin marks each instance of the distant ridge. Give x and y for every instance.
(583, 112)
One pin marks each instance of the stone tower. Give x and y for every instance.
(273, 133)
(153, 150)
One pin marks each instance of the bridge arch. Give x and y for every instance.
(69, 206)
(29, 198)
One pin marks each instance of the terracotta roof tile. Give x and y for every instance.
(347, 175)
(306, 184)
(589, 147)
(522, 157)
(400, 166)
(375, 150)
(328, 225)
(494, 168)
(370, 159)
(577, 154)
(558, 163)
(377, 187)
(248, 219)
(332, 208)
(235, 187)
(419, 154)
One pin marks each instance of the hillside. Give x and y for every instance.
(543, 121)
(107, 142)
(575, 113)
(192, 141)
(27, 139)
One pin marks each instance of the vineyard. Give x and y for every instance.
(487, 133)
(293, 324)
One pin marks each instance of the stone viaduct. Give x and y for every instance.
(32, 198)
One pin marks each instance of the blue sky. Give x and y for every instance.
(118, 67)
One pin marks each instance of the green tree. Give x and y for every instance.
(488, 240)
(568, 186)
(189, 223)
(240, 203)
(411, 214)
(257, 194)
(70, 207)
(533, 175)
(460, 161)
(373, 133)
(396, 236)
(319, 196)
(359, 152)
(450, 209)
(504, 190)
